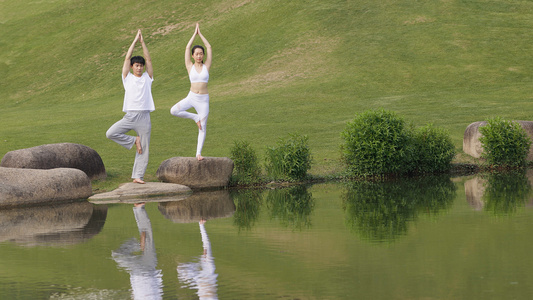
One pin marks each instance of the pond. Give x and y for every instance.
(426, 238)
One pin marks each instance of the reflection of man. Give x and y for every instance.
(201, 275)
(146, 281)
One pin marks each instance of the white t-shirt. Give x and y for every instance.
(138, 93)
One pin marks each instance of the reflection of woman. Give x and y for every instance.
(201, 275)
(198, 96)
(146, 281)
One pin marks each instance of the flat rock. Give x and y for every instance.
(34, 186)
(472, 146)
(150, 192)
(212, 172)
(62, 155)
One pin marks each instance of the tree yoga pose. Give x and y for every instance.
(138, 103)
(198, 97)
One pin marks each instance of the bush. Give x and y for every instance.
(290, 159)
(246, 164)
(377, 143)
(505, 143)
(434, 149)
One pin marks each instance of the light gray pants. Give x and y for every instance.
(139, 121)
(200, 102)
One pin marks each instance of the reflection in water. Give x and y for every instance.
(248, 204)
(292, 206)
(379, 211)
(505, 192)
(499, 193)
(199, 206)
(146, 281)
(201, 275)
(54, 225)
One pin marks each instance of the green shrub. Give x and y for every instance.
(246, 164)
(377, 143)
(505, 143)
(290, 159)
(434, 149)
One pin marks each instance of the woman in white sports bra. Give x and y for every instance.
(198, 96)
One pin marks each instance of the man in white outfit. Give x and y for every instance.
(138, 104)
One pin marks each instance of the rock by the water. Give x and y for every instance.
(63, 155)
(205, 205)
(150, 191)
(212, 172)
(35, 186)
(472, 146)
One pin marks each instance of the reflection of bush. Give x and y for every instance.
(379, 211)
(506, 191)
(292, 206)
(248, 207)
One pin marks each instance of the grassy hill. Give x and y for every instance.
(279, 67)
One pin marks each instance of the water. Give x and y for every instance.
(430, 238)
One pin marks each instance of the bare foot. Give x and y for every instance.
(138, 145)
(199, 125)
(199, 157)
(138, 180)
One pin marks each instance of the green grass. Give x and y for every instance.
(279, 67)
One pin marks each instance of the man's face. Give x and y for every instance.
(137, 69)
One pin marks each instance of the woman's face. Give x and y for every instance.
(198, 55)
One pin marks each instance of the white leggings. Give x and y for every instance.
(200, 102)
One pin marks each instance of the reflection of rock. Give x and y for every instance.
(208, 173)
(529, 174)
(201, 205)
(51, 156)
(472, 145)
(499, 193)
(474, 189)
(63, 224)
(32, 186)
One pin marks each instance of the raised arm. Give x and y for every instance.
(208, 49)
(127, 60)
(188, 62)
(148, 60)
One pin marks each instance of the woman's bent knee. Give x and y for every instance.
(175, 110)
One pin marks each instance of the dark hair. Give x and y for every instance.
(137, 59)
(195, 47)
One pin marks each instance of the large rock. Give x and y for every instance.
(473, 147)
(209, 173)
(33, 186)
(63, 155)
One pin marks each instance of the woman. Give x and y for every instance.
(198, 96)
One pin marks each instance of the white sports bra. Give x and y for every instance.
(201, 77)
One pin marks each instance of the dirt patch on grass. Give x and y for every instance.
(308, 58)
(419, 20)
(226, 6)
(169, 28)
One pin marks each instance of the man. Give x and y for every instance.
(138, 103)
